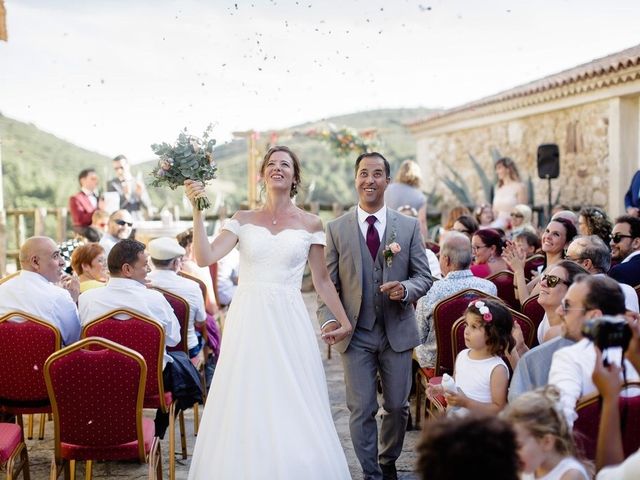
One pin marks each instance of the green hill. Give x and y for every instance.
(41, 170)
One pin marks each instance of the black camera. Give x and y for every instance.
(607, 332)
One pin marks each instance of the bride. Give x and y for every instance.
(268, 414)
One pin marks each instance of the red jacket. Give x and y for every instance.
(81, 209)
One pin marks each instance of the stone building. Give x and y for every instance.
(591, 112)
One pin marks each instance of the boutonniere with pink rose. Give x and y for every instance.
(391, 250)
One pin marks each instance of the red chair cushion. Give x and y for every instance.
(153, 401)
(10, 438)
(504, 284)
(125, 451)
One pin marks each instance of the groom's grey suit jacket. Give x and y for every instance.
(410, 267)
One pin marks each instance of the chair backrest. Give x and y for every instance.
(9, 277)
(139, 333)
(96, 388)
(587, 425)
(531, 264)
(457, 332)
(181, 308)
(445, 314)
(532, 309)
(503, 281)
(201, 284)
(25, 344)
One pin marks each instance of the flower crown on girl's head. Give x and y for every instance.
(483, 309)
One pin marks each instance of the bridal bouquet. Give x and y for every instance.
(190, 158)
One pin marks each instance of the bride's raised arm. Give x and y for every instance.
(206, 253)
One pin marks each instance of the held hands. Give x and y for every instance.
(395, 290)
(334, 332)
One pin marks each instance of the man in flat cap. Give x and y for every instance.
(166, 256)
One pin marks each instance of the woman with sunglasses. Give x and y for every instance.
(487, 245)
(556, 238)
(521, 216)
(553, 286)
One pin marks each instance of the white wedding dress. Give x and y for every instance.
(267, 414)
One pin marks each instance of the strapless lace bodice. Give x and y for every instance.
(272, 258)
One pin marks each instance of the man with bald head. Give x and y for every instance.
(455, 259)
(119, 228)
(42, 290)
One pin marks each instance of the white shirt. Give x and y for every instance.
(107, 242)
(627, 470)
(132, 295)
(381, 221)
(557, 472)
(187, 289)
(228, 276)
(630, 296)
(571, 370)
(91, 196)
(31, 293)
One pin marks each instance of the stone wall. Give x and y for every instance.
(581, 133)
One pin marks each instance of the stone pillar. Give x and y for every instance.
(624, 144)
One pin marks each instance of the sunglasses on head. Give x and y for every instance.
(122, 223)
(553, 280)
(617, 237)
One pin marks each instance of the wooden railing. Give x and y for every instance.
(18, 224)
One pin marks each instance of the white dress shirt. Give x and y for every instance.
(381, 222)
(571, 370)
(132, 295)
(187, 289)
(31, 293)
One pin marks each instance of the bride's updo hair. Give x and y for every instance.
(297, 177)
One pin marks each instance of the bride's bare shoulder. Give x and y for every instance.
(244, 216)
(312, 223)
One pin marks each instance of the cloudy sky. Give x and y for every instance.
(115, 76)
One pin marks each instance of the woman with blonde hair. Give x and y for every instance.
(509, 192)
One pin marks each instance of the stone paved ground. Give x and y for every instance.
(41, 451)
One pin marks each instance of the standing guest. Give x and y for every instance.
(510, 191)
(545, 442)
(42, 290)
(625, 247)
(166, 255)
(555, 239)
(460, 448)
(447, 219)
(632, 197)
(377, 285)
(455, 258)
(120, 225)
(85, 202)
(405, 190)
(480, 374)
(89, 262)
(594, 221)
(132, 191)
(487, 245)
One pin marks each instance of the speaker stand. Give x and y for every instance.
(549, 206)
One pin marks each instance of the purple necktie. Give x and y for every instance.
(373, 240)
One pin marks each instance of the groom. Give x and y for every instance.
(377, 283)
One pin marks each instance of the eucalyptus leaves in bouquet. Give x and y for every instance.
(190, 158)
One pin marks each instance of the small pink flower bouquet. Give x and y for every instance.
(390, 251)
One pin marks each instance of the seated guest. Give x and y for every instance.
(189, 265)
(85, 202)
(521, 216)
(594, 221)
(484, 216)
(594, 255)
(466, 224)
(487, 244)
(120, 225)
(553, 287)
(455, 258)
(528, 241)
(42, 290)
(98, 227)
(458, 448)
(625, 248)
(166, 255)
(571, 367)
(89, 262)
(228, 272)
(610, 459)
(128, 269)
